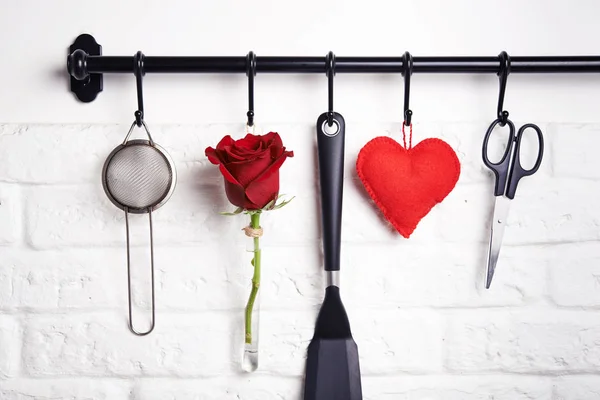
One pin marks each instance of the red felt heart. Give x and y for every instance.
(406, 184)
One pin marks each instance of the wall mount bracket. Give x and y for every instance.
(86, 87)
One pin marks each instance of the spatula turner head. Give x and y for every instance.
(332, 366)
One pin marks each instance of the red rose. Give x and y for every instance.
(250, 167)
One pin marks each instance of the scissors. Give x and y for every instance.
(508, 172)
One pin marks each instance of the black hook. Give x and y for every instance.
(503, 75)
(407, 69)
(330, 72)
(250, 73)
(138, 70)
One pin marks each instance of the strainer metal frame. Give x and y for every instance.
(143, 210)
(137, 142)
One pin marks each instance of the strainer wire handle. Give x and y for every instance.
(131, 328)
(145, 128)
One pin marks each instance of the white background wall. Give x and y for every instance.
(425, 327)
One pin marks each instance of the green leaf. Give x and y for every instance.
(252, 212)
(283, 203)
(252, 262)
(270, 204)
(236, 212)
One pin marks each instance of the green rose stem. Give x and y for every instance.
(254, 224)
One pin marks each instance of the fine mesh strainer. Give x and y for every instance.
(139, 177)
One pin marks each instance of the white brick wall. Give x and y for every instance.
(425, 327)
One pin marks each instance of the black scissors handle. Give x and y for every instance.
(517, 171)
(500, 169)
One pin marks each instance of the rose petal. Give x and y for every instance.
(247, 153)
(231, 156)
(277, 152)
(250, 142)
(265, 187)
(227, 175)
(226, 141)
(246, 149)
(272, 139)
(223, 146)
(237, 196)
(212, 155)
(248, 170)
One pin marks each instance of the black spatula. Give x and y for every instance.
(332, 368)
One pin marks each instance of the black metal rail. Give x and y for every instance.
(86, 65)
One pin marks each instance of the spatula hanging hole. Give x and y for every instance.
(330, 130)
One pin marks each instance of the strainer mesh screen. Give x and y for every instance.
(138, 176)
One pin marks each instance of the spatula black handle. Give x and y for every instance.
(330, 141)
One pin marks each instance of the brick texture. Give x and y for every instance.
(425, 326)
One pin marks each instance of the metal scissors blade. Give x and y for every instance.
(501, 207)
